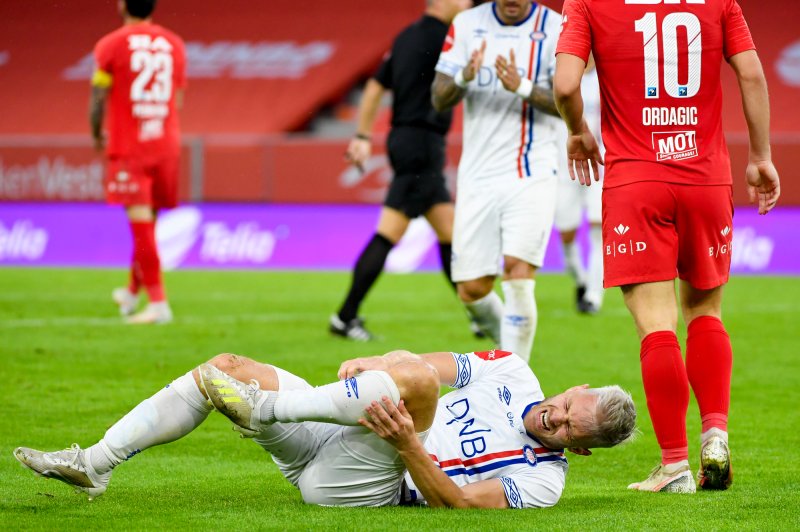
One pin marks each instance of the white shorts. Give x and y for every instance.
(513, 219)
(333, 465)
(573, 199)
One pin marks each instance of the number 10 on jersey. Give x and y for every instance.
(648, 27)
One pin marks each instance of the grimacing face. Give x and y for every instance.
(564, 420)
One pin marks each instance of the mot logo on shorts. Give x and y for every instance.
(622, 247)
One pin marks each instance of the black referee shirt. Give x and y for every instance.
(408, 71)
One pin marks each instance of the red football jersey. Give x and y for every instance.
(147, 65)
(658, 62)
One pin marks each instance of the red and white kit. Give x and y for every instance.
(144, 65)
(662, 132)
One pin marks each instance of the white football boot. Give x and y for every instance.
(152, 313)
(670, 478)
(239, 402)
(716, 472)
(126, 301)
(69, 466)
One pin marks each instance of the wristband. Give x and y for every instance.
(459, 80)
(525, 88)
(362, 136)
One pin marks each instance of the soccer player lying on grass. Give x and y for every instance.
(380, 435)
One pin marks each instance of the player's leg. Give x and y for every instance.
(520, 315)
(476, 254)
(641, 254)
(125, 185)
(392, 224)
(356, 467)
(709, 361)
(593, 299)
(705, 220)
(253, 407)
(666, 386)
(143, 223)
(567, 220)
(169, 414)
(162, 178)
(526, 221)
(441, 216)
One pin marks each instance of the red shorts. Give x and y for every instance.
(130, 181)
(655, 231)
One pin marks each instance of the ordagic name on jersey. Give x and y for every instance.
(672, 145)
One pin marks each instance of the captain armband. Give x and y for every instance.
(102, 79)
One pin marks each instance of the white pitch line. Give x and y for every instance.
(319, 317)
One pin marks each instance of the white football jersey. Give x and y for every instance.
(477, 433)
(504, 136)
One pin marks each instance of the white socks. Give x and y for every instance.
(341, 402)
(519, 317)
(594, 282)
(173, 412)
(573, 262)
(488, 311)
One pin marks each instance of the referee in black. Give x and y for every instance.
(416, 152)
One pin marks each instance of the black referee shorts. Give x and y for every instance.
(417, 158)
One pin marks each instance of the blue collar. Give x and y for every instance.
(534, 5)
(525, 413)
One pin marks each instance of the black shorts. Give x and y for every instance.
(417, 158)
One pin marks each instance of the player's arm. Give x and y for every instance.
(101, 83)
(582, 148)
(445, 94)
(360, 147)
(541, 98)
(763, 183)
(447, 91)
(442, 361)
(395, 425)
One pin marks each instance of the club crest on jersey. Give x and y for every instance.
(538, 36)
(529, 455)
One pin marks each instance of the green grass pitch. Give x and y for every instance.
(69, 369)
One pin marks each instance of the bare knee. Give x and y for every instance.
(475, 289)
(696, 303)
(228, 362)
(243, 369)
(418, 383)
(514, 268)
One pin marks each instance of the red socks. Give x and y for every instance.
(666, 387)
(146, 268)
(709, 361)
